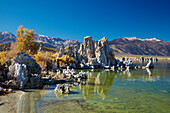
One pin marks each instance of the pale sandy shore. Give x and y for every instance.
(11, 103)
(145, 56)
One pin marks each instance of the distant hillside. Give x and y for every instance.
(137, 46)
(127, 45)
(7, 38)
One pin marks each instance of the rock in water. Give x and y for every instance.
(98, 50)
(62, 88)
(130, 65)
(104, 54)
(91, 53)
(150, 64)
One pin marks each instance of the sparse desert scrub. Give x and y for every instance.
(3, 57)
(42, 58)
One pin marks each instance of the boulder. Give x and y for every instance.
(150, 64)
(141, 59)
(21, 68)
(5, 91)
(12, 84)
(35, 82)
(3, 72)
(62, 88)
(83, 75)
(32, 66)
(20, 73)
(130, 65)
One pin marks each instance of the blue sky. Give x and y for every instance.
(75, 19)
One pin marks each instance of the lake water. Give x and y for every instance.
(107, 91)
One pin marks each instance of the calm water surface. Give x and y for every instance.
(107, 91)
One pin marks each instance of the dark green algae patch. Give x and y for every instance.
(131, 91)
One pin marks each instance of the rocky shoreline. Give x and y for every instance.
(23, 72)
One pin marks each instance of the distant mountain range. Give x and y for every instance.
(7, 38)
(126, 45)
(137, 46)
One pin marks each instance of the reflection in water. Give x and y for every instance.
(140, 75)
(97, 84)
(108, 91)
(149, 72)
(30, 101)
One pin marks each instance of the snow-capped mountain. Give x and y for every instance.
(126, 45)
(51, 42)
(135, 38)
(7, 37)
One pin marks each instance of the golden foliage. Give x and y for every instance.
(3, 57)
(6, 55)
(24, 40)
(66, 59)
(42, 58)
(13, 51)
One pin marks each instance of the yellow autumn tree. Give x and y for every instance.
(42, 58)
(24, 40)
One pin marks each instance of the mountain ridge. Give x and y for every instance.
(126, 45)
(138, 46)
(51, 42)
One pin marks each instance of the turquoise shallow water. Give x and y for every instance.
(108, 91)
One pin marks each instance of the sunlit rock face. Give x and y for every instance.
(61, 52)
(98, 50)
(91, 53)
(20, 73)
(32, 66)
(104, 54)
(89, 47)
(22, 67)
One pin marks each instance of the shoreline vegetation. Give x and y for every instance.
(27, 66)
